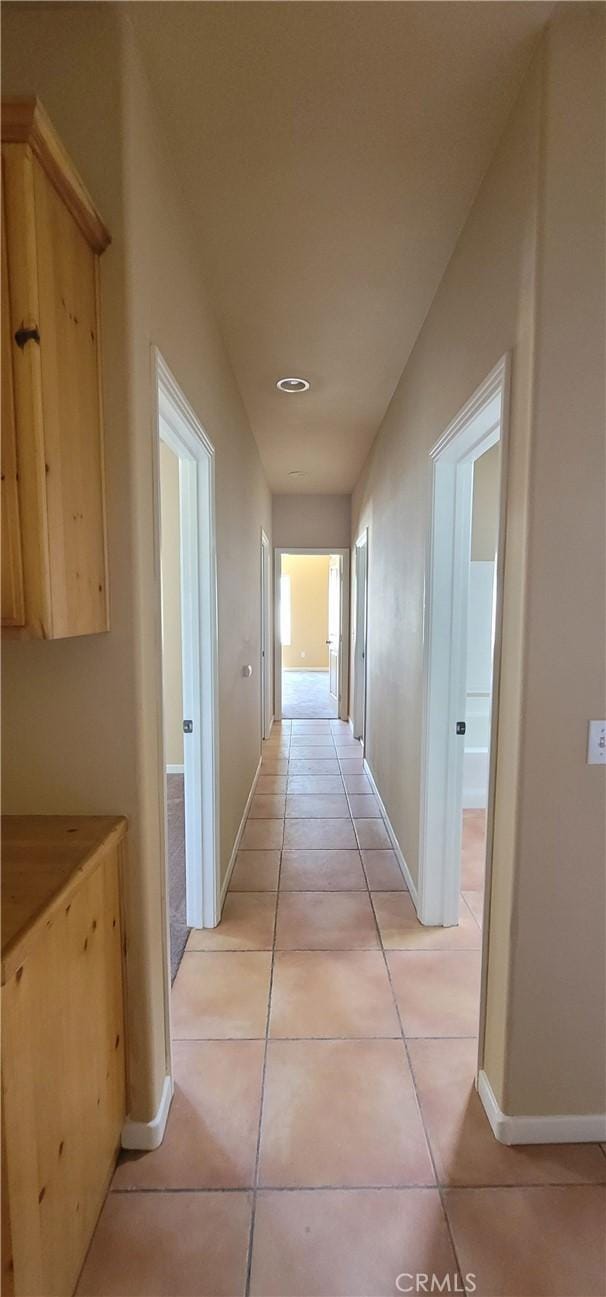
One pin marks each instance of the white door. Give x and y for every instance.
(360, 632)
(334, 625)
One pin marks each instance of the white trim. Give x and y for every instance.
(479, 425)
(344, 555)
(392, 834)
(238, 838)
(175, 770)
(360, 651)
(324, 670)
(564, 1128)
(178, 426)
(266, 638)
(147, 1135)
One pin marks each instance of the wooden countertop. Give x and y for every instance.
(44, 859)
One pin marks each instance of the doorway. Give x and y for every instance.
(360, 629)
(462, 639)
(185, 471)
(311, 618)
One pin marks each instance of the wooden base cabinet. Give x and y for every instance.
(54, 568)
(63, 1056)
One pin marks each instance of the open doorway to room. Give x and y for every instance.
(189, 664)
(312, 615)
(462, 642)
(309, 631)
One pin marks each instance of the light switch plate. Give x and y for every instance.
(596, 743)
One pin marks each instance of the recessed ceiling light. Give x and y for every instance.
(291, 385)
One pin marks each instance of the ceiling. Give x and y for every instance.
(330, 153)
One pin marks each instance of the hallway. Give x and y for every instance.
(305, 695)
(325, 1136)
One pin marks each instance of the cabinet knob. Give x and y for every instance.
(26, 335)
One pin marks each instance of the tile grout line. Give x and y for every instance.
(412, 1075)
(357, 1188)
(227, 1040)
(404, 1039)
(410, 1068)
(264, 1067)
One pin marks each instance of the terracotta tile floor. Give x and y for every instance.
(325, 1135)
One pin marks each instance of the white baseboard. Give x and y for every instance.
(394, 841)
(232, 859)
(325, 670)
(175, 770)
(353, 733)
(146, 1135)
(567, 1128)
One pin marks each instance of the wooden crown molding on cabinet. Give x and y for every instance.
(25, 121)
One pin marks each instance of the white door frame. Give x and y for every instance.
(360, 640)
(479, 425)
(343, 554)
(266, 638)
(178, 426)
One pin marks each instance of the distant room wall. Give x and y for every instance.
(308, 574)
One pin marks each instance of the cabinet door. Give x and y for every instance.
(69, 354)
(20, 310)
(63, 1079)
(13, 604)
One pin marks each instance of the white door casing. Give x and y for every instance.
(178, 426)
(478, 426)
(266, 638)
(360, 625)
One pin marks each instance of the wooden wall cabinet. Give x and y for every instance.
(63, 1055)
(54, 564)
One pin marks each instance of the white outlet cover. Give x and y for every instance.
(596, 743)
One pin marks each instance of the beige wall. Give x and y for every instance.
(170, 559)
(557, 1047)
(82, 718)
(526, 277)
(311, 521)
(485, 508)
(309, 611)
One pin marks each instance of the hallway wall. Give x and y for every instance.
(526, 277)
(82, 718)
(311, 521)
